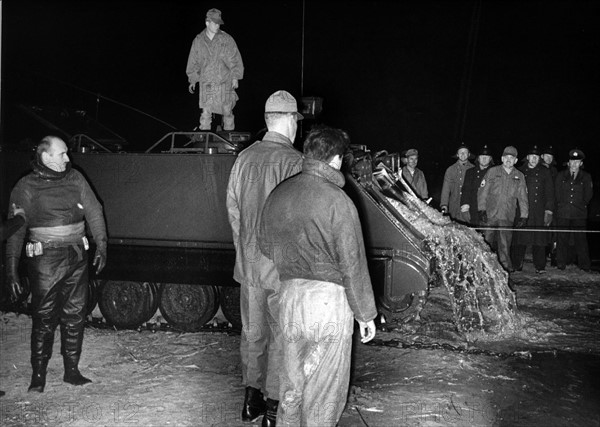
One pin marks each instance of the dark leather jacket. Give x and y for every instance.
(311, 230)
(51, 201)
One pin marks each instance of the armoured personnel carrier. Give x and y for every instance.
(170, 244)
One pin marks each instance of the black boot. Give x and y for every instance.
(2, 393)
(38, 377)
(254, 404)
(42, 340)
(71, 343)
(270, 418)
(72, 374)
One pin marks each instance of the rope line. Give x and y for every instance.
(542, 230)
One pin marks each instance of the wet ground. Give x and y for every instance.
(421, 374)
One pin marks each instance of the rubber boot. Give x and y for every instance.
(38, 377)
(270, 418)
(72, 374)
(254, 405)
(71, 343)
(42, 340)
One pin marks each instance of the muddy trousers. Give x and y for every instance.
(502, 240)
(59, 289)
(260, 344)
(317, 341)
(579, 240)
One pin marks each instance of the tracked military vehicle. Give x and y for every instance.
(170, 244)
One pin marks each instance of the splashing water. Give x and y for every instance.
(483, 304)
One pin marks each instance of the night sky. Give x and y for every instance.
(395, 74)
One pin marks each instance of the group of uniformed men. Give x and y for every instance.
(534, 198)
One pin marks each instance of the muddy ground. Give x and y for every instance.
(421, 374)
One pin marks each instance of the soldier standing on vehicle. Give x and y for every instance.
(215, 64)
(413, 175)
(256, 172)
(540, 195)
(57, 201)
(473, 178)
(311, 230)
(573, 194)
(453, 182)
(502, 188)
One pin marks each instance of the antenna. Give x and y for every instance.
(302, 66)
(465, 85)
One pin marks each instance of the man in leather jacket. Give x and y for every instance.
(311, 230)
(57, 201)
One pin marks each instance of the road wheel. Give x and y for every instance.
(127, 304)
(230, 305)
(405, 310)
(188, 307)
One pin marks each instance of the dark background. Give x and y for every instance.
(424, 74)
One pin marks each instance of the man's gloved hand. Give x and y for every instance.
(521, 222)
(12, 275)
(100, 257)
(483, 217)
(547, 218)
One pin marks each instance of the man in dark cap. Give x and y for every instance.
(256, 172)
(453, 182)
(502, 189)
(413, 175)
(547, 160)
(215, 64)
(473, 178)
(573, 194)
(540, 194)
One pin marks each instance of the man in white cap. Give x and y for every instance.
(502, 188)
(574, 192)
(215, 64)
(453, 182)
(256, 172)
(413, 175)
